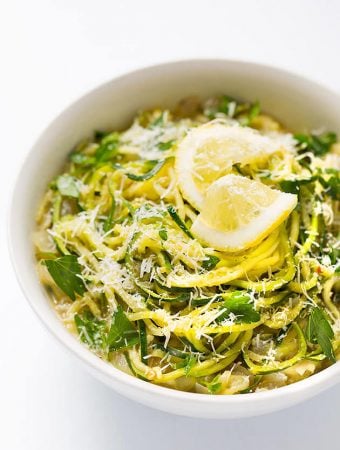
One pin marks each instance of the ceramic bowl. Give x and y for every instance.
(297, 102)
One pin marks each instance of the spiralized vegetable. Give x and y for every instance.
(152, 300)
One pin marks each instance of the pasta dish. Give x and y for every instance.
(199, 248)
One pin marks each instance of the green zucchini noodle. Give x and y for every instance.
(130, 280)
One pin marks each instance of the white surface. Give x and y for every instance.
(51, 52)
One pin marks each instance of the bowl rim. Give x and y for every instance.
(321, 380)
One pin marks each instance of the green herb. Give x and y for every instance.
(165, 145)
(91, 330)
(157, 165)
(163, 234)
(215, 385)
(319, 330)
(81, 159)
(239, 304)
(253, 111)
(122, 333)
(175, 217)
(143, 343)
(106, 152)
(67, 186)
(227, 105)
(158, 122)
(110, 138)
(317, 144)
(66, 271)
(330, 180)
(293, 186)
(245, 113)
(214, 388)
(110, 218)
(108, 148)
(210, 262)
(188, 363)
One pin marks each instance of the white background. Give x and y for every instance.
(50, 53)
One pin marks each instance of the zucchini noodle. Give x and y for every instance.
(130, 280)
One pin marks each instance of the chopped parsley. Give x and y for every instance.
(320, 331)
(66, 272)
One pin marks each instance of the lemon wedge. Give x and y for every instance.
(237, 213)
(209, 151)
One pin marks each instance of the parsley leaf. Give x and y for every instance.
(227, 105)
(319, 330)
(106, 152)
(81, 159)
(330, 180)
(188, 363)
(253, 111)
(67, 186)
(317, 144)
(239, 304)
(245, 112)
(215, 385)
(158, 122)
(65, 272)
(122, 333)
(210, 262)
(91, 330)
(293, 186)
(165, 145)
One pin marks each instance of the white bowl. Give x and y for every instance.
(297, 102)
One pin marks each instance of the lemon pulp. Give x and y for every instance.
(238, 212)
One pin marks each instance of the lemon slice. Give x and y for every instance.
(209, 151)
(237, 213)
